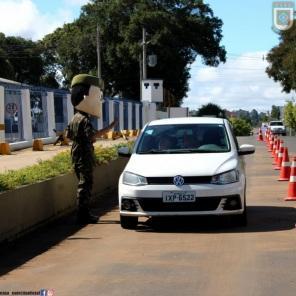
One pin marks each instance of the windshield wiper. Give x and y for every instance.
(154, 151)
(197, 150)
(179, 151)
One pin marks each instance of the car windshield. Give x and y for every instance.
(276, 123)
(184, 138)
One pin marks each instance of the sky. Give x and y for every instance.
(240, 83)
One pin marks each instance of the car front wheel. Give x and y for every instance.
(127, 222)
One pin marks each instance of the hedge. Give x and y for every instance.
(58, 165)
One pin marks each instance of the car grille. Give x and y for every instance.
(170, 180)
(201, 204)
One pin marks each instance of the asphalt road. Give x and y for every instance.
(176, 257)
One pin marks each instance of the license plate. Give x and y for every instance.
(183, 196)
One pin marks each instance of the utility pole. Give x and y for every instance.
(99, 52)
(141, 75)
(144, 55)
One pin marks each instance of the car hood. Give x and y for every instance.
(191, 164)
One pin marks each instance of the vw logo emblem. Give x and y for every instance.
(178, 180)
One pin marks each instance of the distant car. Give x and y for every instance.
(184, 166)
(277, 127)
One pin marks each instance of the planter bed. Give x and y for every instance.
(27, 207)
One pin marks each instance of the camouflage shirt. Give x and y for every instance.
(81, 132)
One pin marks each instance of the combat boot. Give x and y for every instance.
(85, 217)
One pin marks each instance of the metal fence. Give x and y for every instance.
(39, 111)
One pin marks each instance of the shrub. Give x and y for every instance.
(58, 165)
(240, 126)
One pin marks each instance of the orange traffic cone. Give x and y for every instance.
(292, 183)
(268, 139)
(280, 158)
(276, 151)
(275, 146)
(285, 167)
(267, 136)
(280, 144)
(260, 137)
(271, 143)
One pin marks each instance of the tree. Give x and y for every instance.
(240, 126)
(211, 110)
(275, 112)
(254, 117)
(178, 31)
(290, 115)
(263, 117)
(22, 60)
(243, 114)
(282, 59)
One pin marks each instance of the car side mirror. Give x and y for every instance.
(124, 151)
(246, 149)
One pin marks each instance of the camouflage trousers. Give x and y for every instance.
(84, 174)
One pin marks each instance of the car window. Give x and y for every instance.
(276, 123)
(184, 138)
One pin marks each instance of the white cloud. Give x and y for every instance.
(241, 83)
(76, 2)
(206, 74)
(22, 18)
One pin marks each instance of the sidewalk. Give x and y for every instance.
(27, 157)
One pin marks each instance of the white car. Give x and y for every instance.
(277, 127)
(184, 166)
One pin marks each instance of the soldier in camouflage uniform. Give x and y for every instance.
(86, 98)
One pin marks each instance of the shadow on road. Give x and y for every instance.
(260, 219)
(16, 253)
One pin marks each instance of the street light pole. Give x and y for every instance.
(141, 75)
(99, 52)
(144, 55)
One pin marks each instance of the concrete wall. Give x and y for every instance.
(28, 207)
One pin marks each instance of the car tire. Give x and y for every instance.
(127, 222)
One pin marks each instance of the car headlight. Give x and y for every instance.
(133, 179)
(226, 178)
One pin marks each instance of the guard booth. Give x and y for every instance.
(38, 114)
(13, 115)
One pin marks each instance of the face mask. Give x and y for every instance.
(92, 104)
